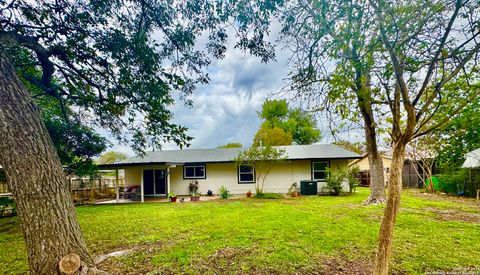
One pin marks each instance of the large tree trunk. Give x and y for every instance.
(385, 238)
(36, 178)
(377, 185)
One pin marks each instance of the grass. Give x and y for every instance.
(304, 235)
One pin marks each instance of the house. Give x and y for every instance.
(161, 172)
(410, 178)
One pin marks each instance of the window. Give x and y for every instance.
(246, 174)
(197, 171)
(319, 170)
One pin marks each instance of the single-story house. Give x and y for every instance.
(161, 172)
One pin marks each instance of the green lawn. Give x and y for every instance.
(304, 235)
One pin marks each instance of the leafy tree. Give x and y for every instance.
(299, 124)
(262, 159)
(274, 112)
(272, 137)
(302, 126)
(357, 147)
(113, 64)
(407, 66)
(111, 157)
(231, 145)
(458, 137)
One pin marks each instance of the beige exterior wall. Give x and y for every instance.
(364, 165)
(278, 180)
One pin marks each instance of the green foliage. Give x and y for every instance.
(272, 137)
(338, 177)
(7, 206)
(111, 157)
(274, 111)
(298, 126)
(115, 64)
(458, 137)
(267, 195)
(172, 195)
(231, 145)
(453, 182)
(223, 192)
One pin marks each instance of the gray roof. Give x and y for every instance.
(472, 159)
(315, 151)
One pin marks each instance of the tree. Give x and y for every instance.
(300, 125)
(412, 67)
(272, 137)
(262, 159)
(357, 147)
(426, 80)
(458, 137)
(111, 157)
(111, 64)
(333, 45)
(231, 145)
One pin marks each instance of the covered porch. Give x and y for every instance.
(143, 182)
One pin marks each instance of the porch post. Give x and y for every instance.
(141, 186)
(117, 195)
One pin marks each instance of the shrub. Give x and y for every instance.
(334, 181)
(224, 193)
(453, 182)
(265, 195)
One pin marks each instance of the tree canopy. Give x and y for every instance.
(111, 157)
(282, 125)
(231, 145)
(116, 64)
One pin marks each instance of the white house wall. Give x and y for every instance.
(278, 180)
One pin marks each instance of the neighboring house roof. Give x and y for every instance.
(366, 155)
(293, 152)
(472, 159)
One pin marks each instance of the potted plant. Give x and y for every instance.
(172, 197)
(249, 194)
(210, 192)
(195, 196)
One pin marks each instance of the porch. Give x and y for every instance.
(141, 182)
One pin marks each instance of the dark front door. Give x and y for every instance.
(154, 182)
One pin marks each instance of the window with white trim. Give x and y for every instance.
(319, 170)
(246, 174)
(197, 171)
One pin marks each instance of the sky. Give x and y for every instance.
(225, 110)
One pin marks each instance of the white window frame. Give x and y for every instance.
(325, 171)
(194, 166)
(239, 172)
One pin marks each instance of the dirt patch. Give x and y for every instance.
(338, 265)
(448, 198)
(455, 215)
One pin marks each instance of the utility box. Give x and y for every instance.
(308, 188)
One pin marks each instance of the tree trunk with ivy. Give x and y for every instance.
(36, 179)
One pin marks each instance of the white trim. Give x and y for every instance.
(240, 173)
(194, 171)
(325, 171)
(117, 194)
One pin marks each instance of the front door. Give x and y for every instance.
(154, 182)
